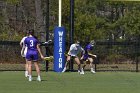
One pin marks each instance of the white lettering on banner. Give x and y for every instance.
(60, 54)
(60, 33)
(60, 38)
(60, 62)
(60, 48)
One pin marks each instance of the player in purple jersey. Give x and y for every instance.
(32, 54)
(88, 57)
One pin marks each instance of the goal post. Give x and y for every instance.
(59, 43)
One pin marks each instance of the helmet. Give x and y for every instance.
(92, 43)
(77, 43)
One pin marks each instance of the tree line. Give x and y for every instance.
(93, 19)
(101, 20)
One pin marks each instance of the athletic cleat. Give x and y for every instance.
(93, 72)
(30, 78)
(82, 73)
(38, 79)
(64, 70)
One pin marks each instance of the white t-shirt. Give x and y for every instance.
(24, 47)
(75, 50)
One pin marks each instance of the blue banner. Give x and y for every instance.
(59, 48)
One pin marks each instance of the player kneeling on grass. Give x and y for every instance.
(74, 50)
(32, 54)
(88, 57)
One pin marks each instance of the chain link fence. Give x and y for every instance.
(117, 56)
(112, 56)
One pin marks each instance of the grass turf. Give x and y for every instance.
(71, 82)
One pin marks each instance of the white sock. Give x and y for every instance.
(82, 70)
(26, 72)
(92, 69)
(64, 69)
(38, 76)
(30, 76)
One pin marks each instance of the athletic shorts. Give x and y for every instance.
(72, 56)
(86, 56)
(32, 55)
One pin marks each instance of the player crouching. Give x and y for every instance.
(88, 57)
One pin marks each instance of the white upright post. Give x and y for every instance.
(60, 11)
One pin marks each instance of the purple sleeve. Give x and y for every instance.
(25, 41)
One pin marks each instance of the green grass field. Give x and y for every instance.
(71, 82)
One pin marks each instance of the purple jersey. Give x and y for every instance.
(87, 48)
(32, 52)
